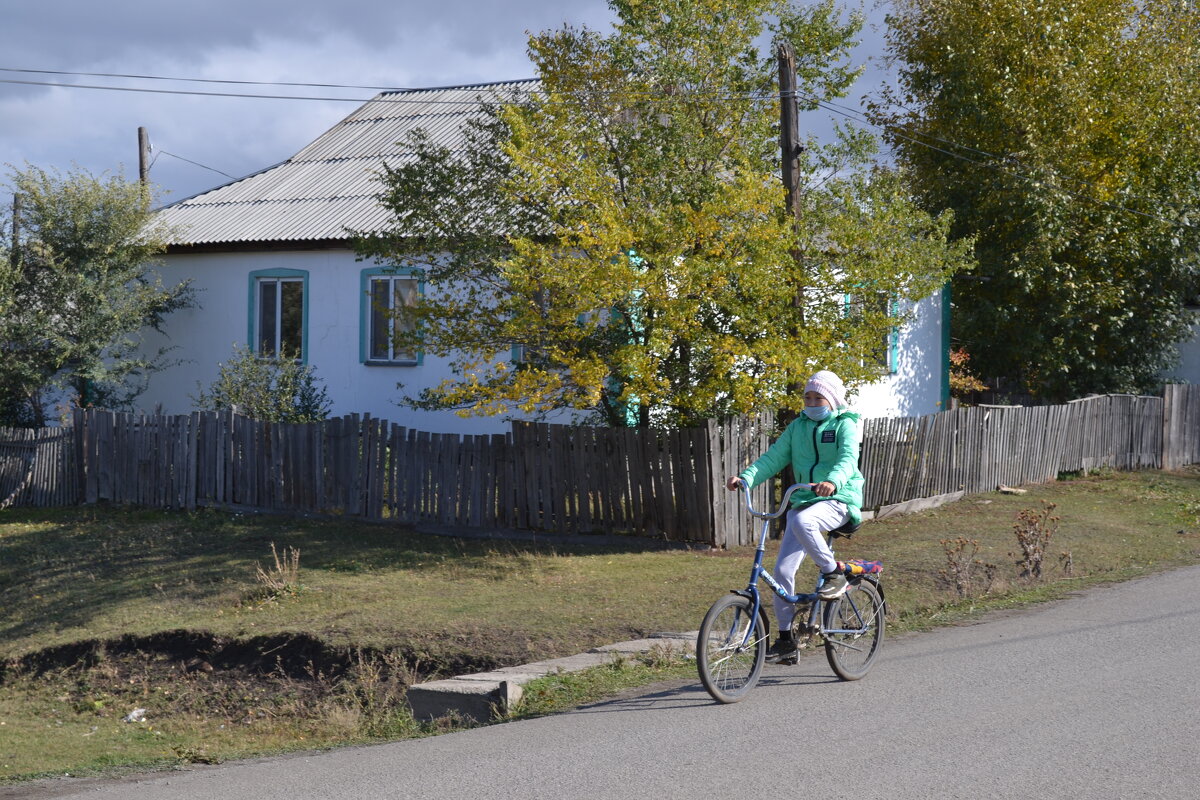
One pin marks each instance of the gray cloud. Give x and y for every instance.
(349, 42)
(370, 42)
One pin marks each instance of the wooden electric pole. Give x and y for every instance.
(143, 156)
(789, 133)
(790, 150)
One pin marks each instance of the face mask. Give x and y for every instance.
(817, 413)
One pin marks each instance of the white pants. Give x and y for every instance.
(803, 535)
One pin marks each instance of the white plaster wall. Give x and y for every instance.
(915, 389)
(205, 337)
(1188, 370)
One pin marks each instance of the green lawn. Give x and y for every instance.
(323, 657)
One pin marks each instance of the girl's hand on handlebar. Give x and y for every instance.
(733, 484)
(824, 489)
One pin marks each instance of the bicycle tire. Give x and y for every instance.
(727, 670)
(861, 613)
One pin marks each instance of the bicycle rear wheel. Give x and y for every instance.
(731, 648)
(853, 632)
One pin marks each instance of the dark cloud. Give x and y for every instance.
(374, 42)
(88, 32)
(311, 41)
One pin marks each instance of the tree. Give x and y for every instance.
(1065, 137)
(276, 390)
(75, 292)
(623, 227)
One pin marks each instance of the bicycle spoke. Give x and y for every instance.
(853, 630)
(729, 663)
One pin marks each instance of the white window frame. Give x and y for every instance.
(278, 278)
(415, 285)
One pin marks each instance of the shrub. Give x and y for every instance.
(962, 566)
(1034, 531)
(275, 390)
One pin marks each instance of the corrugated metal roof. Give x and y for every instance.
(328, 188)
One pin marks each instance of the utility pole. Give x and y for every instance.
(790, 150)
(143, 156)
(789, 133)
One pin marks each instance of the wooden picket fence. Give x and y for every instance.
(564, 479)
(38, 467)
(553, 478)
(977, 449)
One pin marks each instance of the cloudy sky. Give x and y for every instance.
(200, 140)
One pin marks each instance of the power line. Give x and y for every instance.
(204, 80)
(758, 94)
(246, 95)
(196, 163)
(143, 90)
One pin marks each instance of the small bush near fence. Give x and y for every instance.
(561, 479)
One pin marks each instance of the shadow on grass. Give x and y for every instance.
(64, 568)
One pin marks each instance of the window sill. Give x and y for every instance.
(406, 363)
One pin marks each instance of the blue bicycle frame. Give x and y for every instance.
(757, 572)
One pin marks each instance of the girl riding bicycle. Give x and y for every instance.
(822, 448)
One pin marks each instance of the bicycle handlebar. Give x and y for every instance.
(783, 504)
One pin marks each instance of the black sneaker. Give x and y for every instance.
(784, 651)
(834, 586)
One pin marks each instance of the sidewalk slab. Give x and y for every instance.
(667, 641)
(475, 699)
(481, 695)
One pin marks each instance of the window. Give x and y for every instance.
(386, 293)
(279, 313)
(876, 307)
(523, 354)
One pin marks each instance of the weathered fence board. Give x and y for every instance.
(38, 467)
(1180, 426)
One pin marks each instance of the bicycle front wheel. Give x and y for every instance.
(853, 631)
(731, 648)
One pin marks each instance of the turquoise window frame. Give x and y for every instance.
(946, 344)
(364, 313)
(893, 347)
(252, 303)
(894, 355)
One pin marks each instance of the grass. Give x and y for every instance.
(314, 627)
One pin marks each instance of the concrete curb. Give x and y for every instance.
(481, 695)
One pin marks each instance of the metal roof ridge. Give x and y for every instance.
(461, 86)
(279, 200)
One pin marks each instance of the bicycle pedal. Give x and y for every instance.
(790, 661)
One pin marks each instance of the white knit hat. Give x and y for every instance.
(829, 386)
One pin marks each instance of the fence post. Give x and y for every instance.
(1168, 412)
(717, 532)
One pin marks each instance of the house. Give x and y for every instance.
(271, 257)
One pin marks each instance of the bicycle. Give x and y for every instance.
(731, 646)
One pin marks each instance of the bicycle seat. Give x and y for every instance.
(846, 530)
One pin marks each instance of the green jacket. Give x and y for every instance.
(816, 451)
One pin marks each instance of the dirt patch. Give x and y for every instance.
(197, 675)
(294, 656)
(201, 698)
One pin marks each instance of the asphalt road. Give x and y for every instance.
(1095, 696)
